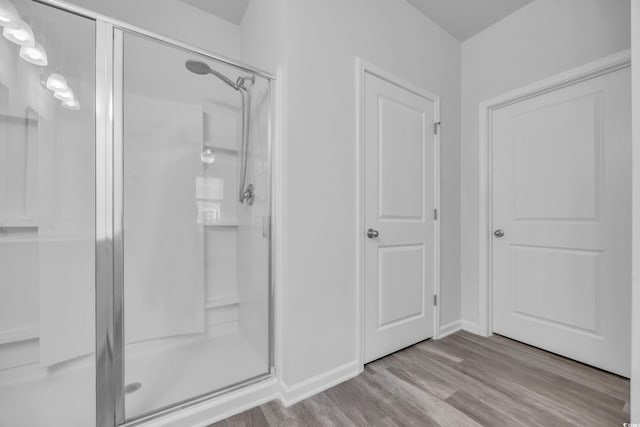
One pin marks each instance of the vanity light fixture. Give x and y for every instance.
(21, 34)
(71, 104)
(34, 54)
(63, 95)
(56, 82)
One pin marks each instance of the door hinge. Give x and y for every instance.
(436, 127)
(435, 300)
(435, 214)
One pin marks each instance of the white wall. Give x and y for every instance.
(635, 330)
(540, 40)
(263, 30)
(323, 39)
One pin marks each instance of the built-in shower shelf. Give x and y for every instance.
(19, 223)
(221, 224)
(18, 119)
(19, 335)
(218, 149)
(221, 302)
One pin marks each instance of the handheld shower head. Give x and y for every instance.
(199, 67)
(207, 156)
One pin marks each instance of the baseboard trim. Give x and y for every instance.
(458, 325)
(471, 327)
(290, 395)
(450, 328)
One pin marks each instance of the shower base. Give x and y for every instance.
(169, 371)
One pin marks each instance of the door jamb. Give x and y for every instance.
(585, 72)
(363, 67)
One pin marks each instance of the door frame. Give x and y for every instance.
(362, 68)
(591, 70)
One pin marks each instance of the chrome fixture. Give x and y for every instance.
(498, 233)
(248, 195)
(132, 388)
(372, 234)
(199, 67)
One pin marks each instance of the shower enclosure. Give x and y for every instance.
(135, 221)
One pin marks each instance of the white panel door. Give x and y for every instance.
(562, 197)
(399, 189)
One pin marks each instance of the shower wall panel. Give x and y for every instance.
(164, 263)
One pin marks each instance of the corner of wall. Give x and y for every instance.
(290, 395)
(458, 325)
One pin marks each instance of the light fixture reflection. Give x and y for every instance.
(22, 34)
(9, 17)
(63, 95)
(56, 82)
(71, 104)
(34, 54)
(207, 156)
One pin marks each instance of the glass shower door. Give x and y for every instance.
(47, 217)
(196, 257)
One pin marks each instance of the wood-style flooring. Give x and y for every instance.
(460, 380)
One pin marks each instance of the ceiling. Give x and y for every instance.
(230, 10)
(465, 18)
(461, 18)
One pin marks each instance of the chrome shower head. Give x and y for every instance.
(197, 67)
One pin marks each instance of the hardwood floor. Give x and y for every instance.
(461, 380)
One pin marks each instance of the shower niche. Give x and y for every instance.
(218, 209)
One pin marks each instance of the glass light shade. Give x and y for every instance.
(63, 95)
(56, 82)
(71, 104)
(22, 34)
(9, 16)
(34, 54)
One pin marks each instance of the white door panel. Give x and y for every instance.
(561, 193)
(399, 190)
(400, 300)
(401, 160)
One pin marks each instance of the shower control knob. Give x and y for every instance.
(372, 234)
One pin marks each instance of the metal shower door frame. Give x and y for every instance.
(109, 187)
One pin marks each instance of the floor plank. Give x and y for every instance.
(461, 380)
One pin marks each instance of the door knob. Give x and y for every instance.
(372, 234)
(498, 233)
